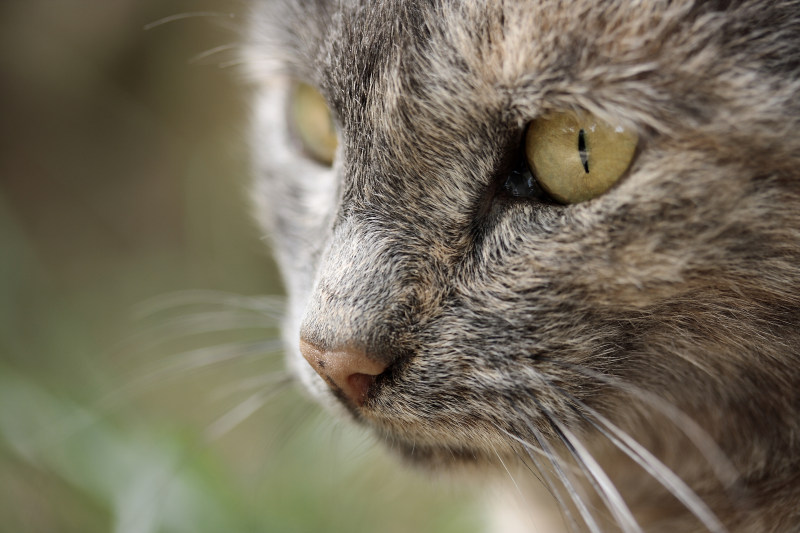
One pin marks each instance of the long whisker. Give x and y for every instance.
(213, 51)
(725, 471)
(233, 63)
(203, 357)
(278, 378)
(535, 470)
(553, 489)
(188, 325)
(187, 15)
(242, 412)
(571, 489)
(604, 486)
(547, 451)
(272, 306)
(178, 365)
(663, 475)
(653, 466)
(514, 481)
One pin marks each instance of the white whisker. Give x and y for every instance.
(271, 306)
(571, 489)
(213, 355)
(658, 470)
(278, 379)
(514, 481)
(235, 416)
(725, 471)
(546, 451)
(185, 327)
(187, 15)
(644, 458)
(176, 366)
(216, 50)
(239, 414)
(605, 487)
(555, 491)
(232, 63)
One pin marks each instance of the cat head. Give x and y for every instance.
(452, 299)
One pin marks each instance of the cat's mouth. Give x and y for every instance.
(445, 443)
(439, 455)
(432, 428)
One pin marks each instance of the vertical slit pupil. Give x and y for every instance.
(584, 153)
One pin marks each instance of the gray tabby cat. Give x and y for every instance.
(558, 237)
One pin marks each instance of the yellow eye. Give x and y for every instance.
(577, 157)
(313, 124)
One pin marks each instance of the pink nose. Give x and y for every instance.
(350, 372)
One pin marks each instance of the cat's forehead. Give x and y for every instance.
(421, 89)
(529, 56)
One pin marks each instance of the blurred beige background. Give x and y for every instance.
(140, 372)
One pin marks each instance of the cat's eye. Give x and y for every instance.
(312, 123)
(576, 156)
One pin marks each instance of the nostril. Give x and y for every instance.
(348, 371)
(358, 387)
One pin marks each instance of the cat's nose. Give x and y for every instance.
(350, 372)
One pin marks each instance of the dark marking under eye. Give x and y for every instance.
(582, 150)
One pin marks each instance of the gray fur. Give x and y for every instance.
(667, 308)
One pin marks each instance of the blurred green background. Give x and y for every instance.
(141, 388)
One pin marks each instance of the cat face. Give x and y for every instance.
(489, 310)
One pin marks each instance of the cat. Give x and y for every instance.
(558, 239)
